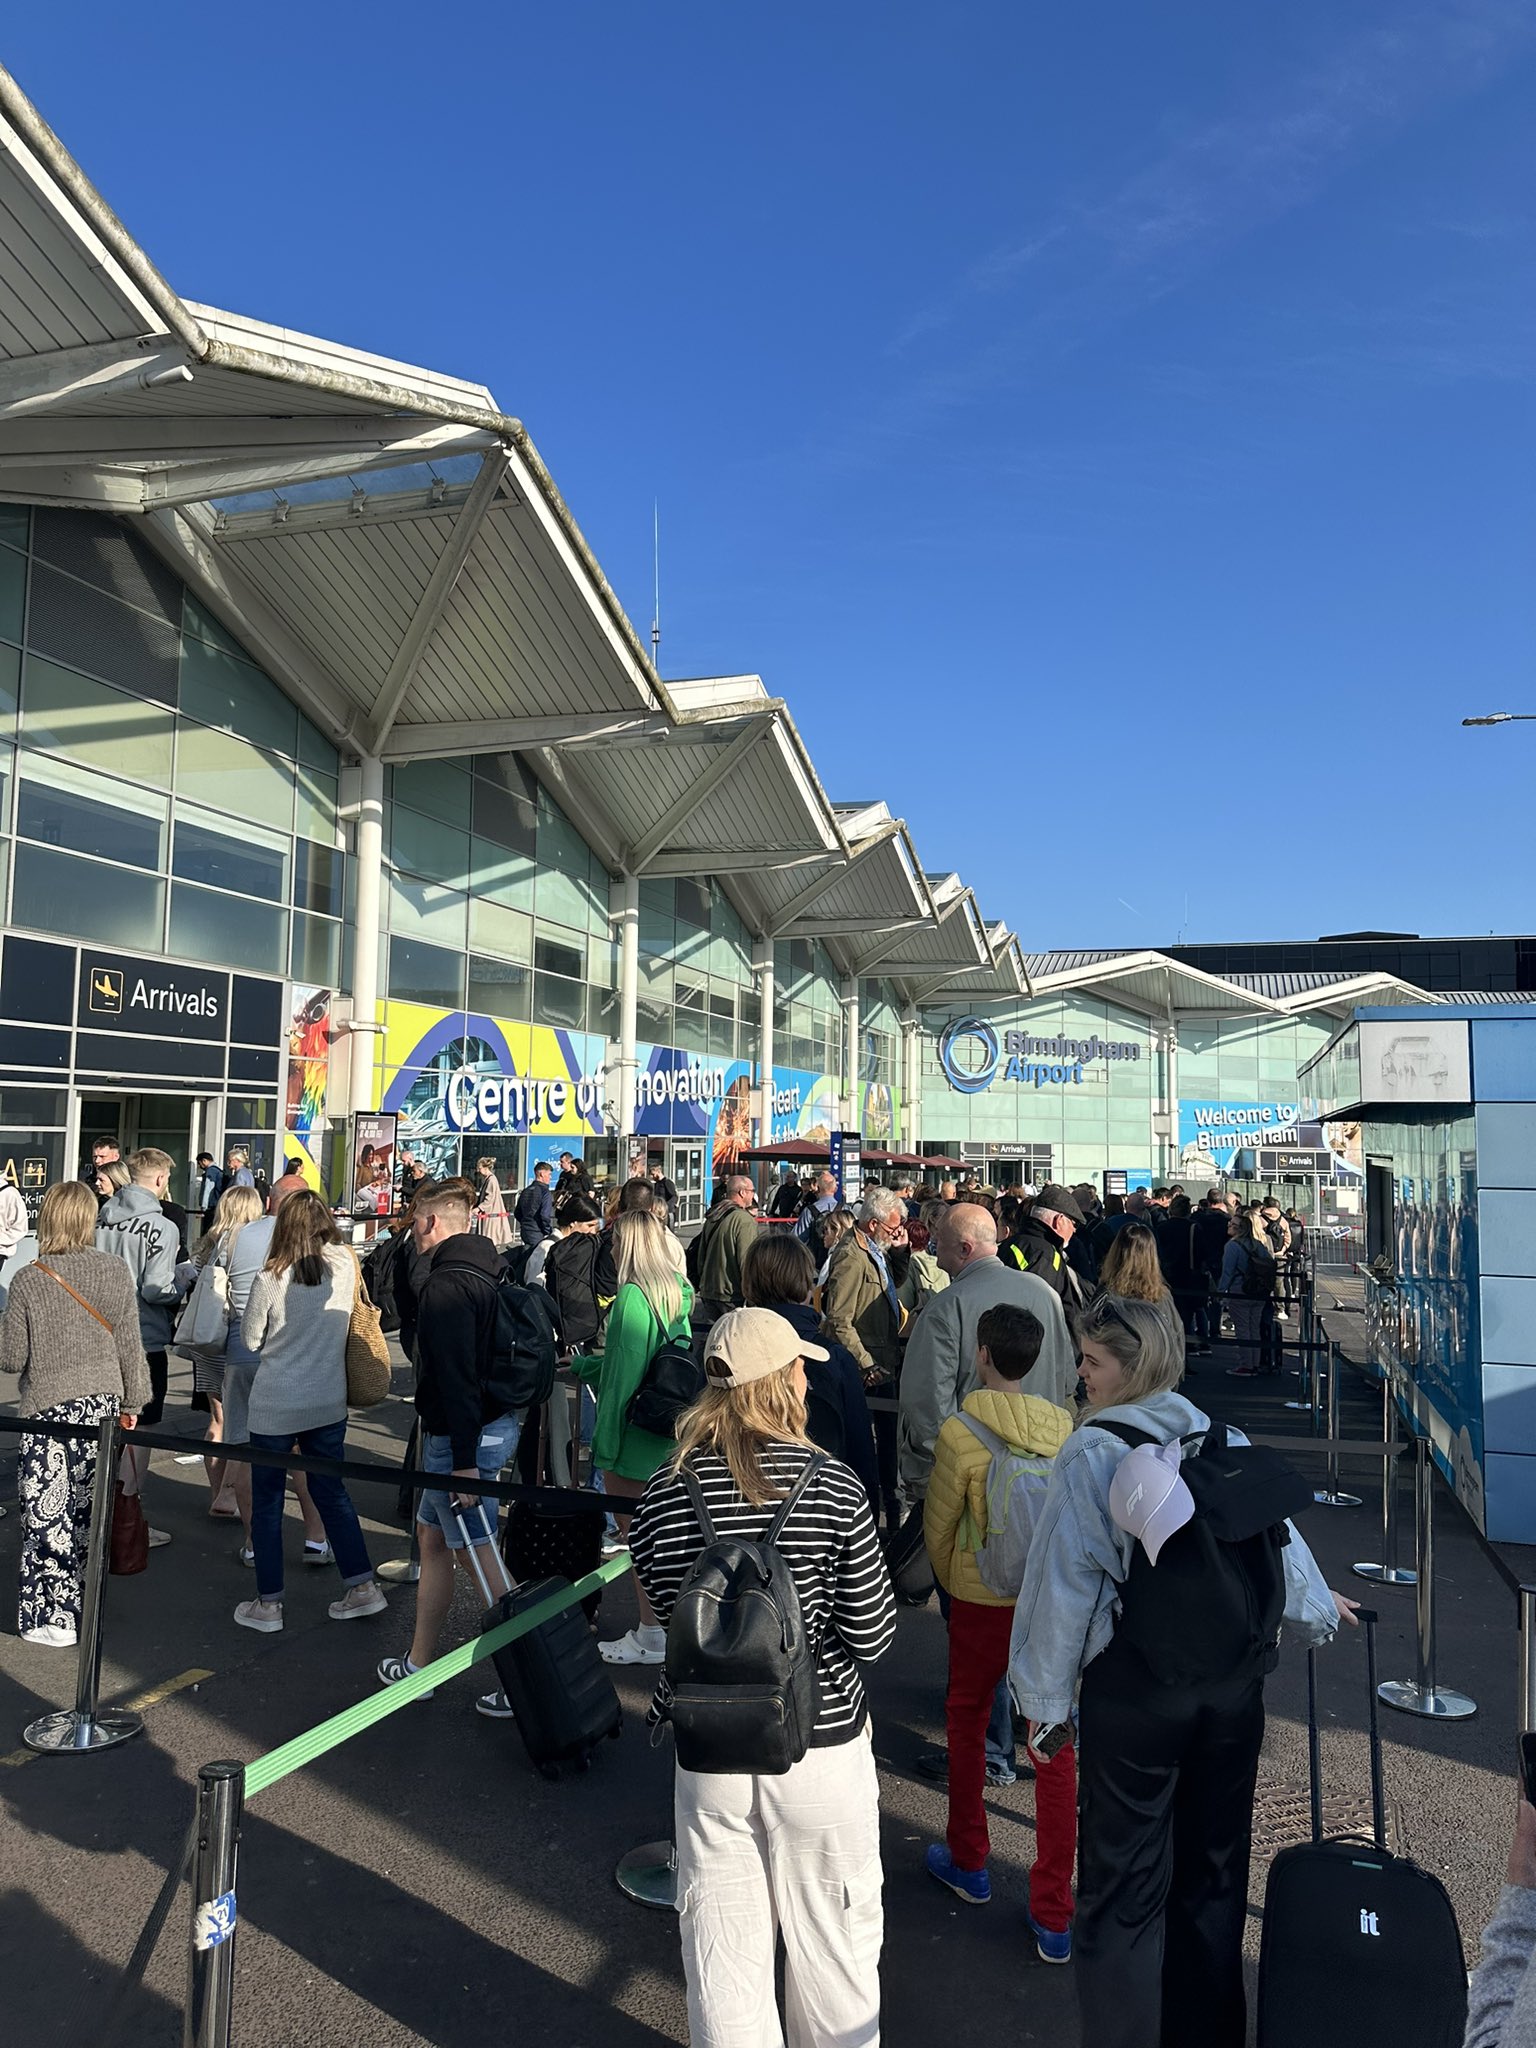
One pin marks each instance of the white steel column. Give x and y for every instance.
(851, 1049)
(628, 920)
(1171, 1070)
(911, 1077)
(365, 932)
(763, 966)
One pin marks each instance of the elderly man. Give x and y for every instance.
(1042, 1238)
(860, 1310)
(723, 1243)
(940, 1368)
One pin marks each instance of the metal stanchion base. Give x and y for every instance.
(1384, 1575)
(1325, 1499)
(648, 1875)
(59, 1734)
(399, 1571)
(1434, 1703)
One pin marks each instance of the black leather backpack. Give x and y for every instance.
(741, 1672)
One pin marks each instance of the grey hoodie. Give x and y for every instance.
(131, 1225)
(1501, 1999)
(1079, 1558)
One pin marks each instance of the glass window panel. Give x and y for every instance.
(218, 769)
(498, 988)
(236, 697)
(751, 1008)
(505, 817)
(316, 950)
(653, 1020)
(207, 925)
(86, 629)
(425, 846)
(70, 807)
(691, 1029)
(425, 974)
(722, 1035)
(315, 750)
(70, 714)
(107, 553)
(603, 1014)
(656, 983)
(658, 934)
(6, 755)
(559, 956)
(13, 594)
(562, 898)
(207, 849)
(493, 929)
(37, 1106)
(439, 788)
(10, 685)
(563, 851)
(56, 892)
(427, 910)
(692, 948)
(318, 876)
(693, 902)
(506, 877)
(659, 895)
(14, 522)
(691, 994)
(204, 626)
(314, 805)
(507, 771)
(560, 1002)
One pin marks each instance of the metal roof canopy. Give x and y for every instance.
(1163, 987)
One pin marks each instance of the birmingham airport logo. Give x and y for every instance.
(968, 1053)
(107, 990)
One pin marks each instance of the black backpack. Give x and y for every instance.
(741, 1670)
(570, 1275)
(379, 1277)
(522, 1373)
(673, 1381)
(1211, 1607)
(1258, 1272)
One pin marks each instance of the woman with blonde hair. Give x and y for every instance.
(1131, 1266)
(1168, 1761)
(236, 1207)
(297, 1320)
(793, 1851)
(490, 1217)
(653, 1306)
(71, 1330)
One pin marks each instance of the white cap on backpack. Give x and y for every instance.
(750, 1343)
(1148, 1498)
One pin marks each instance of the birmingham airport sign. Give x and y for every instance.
(973, 1056)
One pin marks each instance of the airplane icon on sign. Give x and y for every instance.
(107, 990)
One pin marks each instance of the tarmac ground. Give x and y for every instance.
(423, 1885)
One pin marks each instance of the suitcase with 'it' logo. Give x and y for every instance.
(1359, 1945)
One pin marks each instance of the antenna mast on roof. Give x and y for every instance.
(656, 584)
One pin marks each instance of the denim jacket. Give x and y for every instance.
(1079, 1558)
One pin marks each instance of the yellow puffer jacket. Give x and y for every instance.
(955, 1508)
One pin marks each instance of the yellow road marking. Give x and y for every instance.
(137, 1705)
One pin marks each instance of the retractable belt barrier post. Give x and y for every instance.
(1329, 1496)
(1420, 1694)
(83, 1726)
(1388, 1572)
(215, 1858)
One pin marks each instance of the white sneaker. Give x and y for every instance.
(318, 1554)
(392, 1669)
(265, 1616)
(628, 1649)
(158, 1538)
(52, 1636)
(358, 1600)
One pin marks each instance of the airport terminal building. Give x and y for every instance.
(342, 809)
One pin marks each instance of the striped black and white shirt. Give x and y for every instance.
(829, 1545)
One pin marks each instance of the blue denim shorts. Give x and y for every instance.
(497, 1447)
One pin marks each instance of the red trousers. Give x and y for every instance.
(978, 1657)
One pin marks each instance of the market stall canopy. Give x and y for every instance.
(792, 1151)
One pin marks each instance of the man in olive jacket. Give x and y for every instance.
(723, 1244)
(860, 1310)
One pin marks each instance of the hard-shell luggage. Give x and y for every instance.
(560, 1538)
(1359, 1945)
(555, 1682)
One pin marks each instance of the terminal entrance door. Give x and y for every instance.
(178, 1124)
(687, 1175)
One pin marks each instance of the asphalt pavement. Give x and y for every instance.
(423, 1885)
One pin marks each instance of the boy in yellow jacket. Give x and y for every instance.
(991, 1469)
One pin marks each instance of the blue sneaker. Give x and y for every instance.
(974, 1886)
(1051, 1948)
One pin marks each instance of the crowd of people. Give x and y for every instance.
(991, 1379)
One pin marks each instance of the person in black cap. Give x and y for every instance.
(1041, 1238)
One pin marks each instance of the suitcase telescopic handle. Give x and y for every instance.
(474, 1550)
(1314, 1749)
(1378, 1790)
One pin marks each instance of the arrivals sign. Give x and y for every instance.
(150, 998)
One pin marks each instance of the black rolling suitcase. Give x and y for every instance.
(555, 1681)
(1359, 1945)
(560, 1538)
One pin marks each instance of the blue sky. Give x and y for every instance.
(1110, 428)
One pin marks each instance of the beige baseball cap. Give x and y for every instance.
(749, 1343)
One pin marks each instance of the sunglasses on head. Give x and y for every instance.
(1105, 1306)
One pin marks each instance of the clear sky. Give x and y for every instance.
(1109, 427)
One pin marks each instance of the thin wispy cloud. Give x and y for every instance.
(1104, 255)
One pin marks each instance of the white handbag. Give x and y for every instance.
(204, 1327)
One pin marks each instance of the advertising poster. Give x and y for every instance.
(1418, 1060)
(1211, 1134)
(309, 1057)
(373, 1163)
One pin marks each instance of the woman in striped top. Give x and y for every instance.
(799, 1850)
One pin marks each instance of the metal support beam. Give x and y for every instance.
(814, 891)
(236, 437)
(194, 482)
(727, 761)
(520, 735)
(728, 860)
(580, 800)
(32, 386)
(446, 572)
(851, 927)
